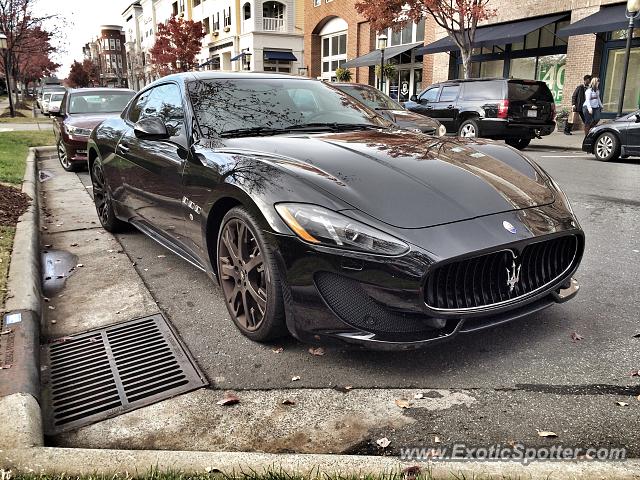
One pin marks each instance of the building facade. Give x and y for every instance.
(531, 39)
(108, 53)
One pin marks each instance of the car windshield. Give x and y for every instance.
(371, 97)
(99, 102)
(271, 105)
(56, 97)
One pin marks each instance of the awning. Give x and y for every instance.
(607, 19)
(279, 55)
(374, 58)
(490, 35)
(237, 57)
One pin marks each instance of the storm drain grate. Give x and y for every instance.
(104, 373)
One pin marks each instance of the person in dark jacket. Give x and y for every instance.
(577, 101)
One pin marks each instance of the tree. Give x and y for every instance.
(78, 77)
(93, 72)
(459, 18)
(18, 23)
(343, 74)
(177, 43)
(33, 59)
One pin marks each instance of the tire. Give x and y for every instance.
(606, 148)
(63, 157)
(250, 286)
(519, 143)
(103, 202)
(469, 128)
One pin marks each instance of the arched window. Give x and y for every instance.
(273, 16)
(246, 11)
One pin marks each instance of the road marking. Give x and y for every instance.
(565, 156)
(6, 129)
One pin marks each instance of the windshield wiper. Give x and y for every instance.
(251, 131)
(331, 126)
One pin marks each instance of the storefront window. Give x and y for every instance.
(611, 93)
(622, 34)
(334, 53)
(417, 81)
(551, 69)
(494, 68)
(523, 68)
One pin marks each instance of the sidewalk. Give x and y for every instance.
(559, 141)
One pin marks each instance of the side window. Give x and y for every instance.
(63, 105)
(430, 95)
(136, 108)
(165, 102)
(450, 93)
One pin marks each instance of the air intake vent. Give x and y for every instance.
(501, 276)
(100, 374)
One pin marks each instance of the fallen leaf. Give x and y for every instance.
(277, 350)
(295, 379)
(576, 337)
(622, 404)
(343, 389)
(383, 442)
(318, 352)
(547, 434)
(80, 265)
(6, 332)
(74, 244)
(51, 307)
(418, 396)
(637, 335)
(638, 398)
(288, 402)
(634, 373)
(53, 322)
(437, 439)
(161, 256)
(410, 473)
(403, 403)
(5, 367)
(228, 399)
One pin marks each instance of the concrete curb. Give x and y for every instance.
(21, 382)
(78, 461)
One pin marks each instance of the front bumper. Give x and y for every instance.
(378, 302)
(497, 128)
(76, 146)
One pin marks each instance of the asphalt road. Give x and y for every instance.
(528, 372)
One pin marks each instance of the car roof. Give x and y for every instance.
(218, 75)
(350, 84)
(99, 90)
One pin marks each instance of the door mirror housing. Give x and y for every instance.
(151, 128)
(414, 98)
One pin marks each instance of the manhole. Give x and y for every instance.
(106, 372)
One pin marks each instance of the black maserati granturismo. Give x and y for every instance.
(320, 218)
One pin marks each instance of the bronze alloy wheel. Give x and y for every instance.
(243, 276)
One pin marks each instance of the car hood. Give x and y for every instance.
(89, 120)
(405, 179)
(406, 119)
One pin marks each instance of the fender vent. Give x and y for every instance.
(104, 373)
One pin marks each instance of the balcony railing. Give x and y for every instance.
(273, 24)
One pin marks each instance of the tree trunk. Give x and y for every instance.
(466, 63)
(9, 82)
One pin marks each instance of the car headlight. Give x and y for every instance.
(72, 130)
(442, 131)
(320, 226)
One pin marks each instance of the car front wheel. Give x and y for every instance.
(519, 143)
(102, 200)
(607, 147)
(469, 129)
(66, 163)
(250, 277)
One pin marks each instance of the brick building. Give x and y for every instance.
(558, 41)
(108, 52)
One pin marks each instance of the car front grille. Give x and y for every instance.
(501, 276)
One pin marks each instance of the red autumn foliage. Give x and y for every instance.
(177, 42)
(78, 77)
(459, 18)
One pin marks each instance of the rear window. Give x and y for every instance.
(527, 91)
(491, 90)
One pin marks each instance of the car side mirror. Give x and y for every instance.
(414, 98)
(151, 128)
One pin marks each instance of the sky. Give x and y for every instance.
(78, 21)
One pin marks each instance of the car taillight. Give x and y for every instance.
(503, 109)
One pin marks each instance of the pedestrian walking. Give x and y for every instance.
(592, 107)
(577, 101)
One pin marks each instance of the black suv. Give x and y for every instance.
(515, 111)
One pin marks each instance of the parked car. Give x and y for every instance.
(44, 103)
(613, 140)
(515, 111)
(327, 221)
(80, 111)
(55, 100)
(47, 89)
(390, 109)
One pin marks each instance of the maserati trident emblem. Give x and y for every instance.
(509, 227)
(513, 275)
